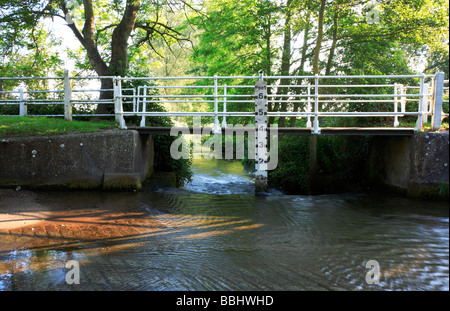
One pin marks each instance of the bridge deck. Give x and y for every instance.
(383, 131)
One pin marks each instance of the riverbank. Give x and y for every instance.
(29, 221)
(20, 209)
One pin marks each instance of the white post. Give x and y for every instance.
(419, 122)
(134, 101)
(308, 123)
(431, 99)
(121, 119)
(403, 99)
(425, 106)
(396, 123)
(216, 129)
(144, 106)
(67, 97)
(138, 100)
(224, 120)
(118, 107)
(438, 95)
(23, 105)
(316, 129)
(116, 99)
(261, 157)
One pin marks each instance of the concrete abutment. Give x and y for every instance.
(417, 166)
(109, 160)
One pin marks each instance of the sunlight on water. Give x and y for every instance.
(215, 234)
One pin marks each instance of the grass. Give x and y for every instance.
(425, 127)
(43, 126)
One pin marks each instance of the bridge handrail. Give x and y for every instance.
(66, 99)
(428, 95)
(398, 97)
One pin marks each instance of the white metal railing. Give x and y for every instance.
(62, 94)
(311, 97)
(317, 103)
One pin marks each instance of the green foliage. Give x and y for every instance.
(165, 163)
(341, 161)
(292, 173)
(343, 157)
(26, 48)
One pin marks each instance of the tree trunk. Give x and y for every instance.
(285, 62)
(267, 35)
(333, 44)
(120, 36)
(119, 59)
(268, 45)
(301, 68)
(106, 84)
(119, 47)
(87, 39)
(319, 38)
(305, 45)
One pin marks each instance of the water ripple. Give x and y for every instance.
(215, 234)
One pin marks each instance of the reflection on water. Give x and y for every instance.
(215, 234)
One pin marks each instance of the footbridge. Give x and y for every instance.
(390, 105)
(299, 105)
(285, 99)
(260, 100)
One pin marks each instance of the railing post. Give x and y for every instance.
(134, 101)
(144, 105)
(23, 105)
(438, 94)
(420, 112)
(396, 123)
(224, 120)
(116, 99)
(308, 123)
(426, 106)
(67, 96)
(118, 107)
(403, 99)
(121, 118)
(316, 129)
(217, 129)
(138, 99)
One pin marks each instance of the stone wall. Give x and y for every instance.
(108, 160)
(417, 165)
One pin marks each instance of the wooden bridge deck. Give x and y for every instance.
(380, 131)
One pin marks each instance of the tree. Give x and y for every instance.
(27, 52)
(106, 32)
(319, 38)
(235, 37)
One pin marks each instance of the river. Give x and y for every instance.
(216, 234)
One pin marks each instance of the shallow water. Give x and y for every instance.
(216, 234)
